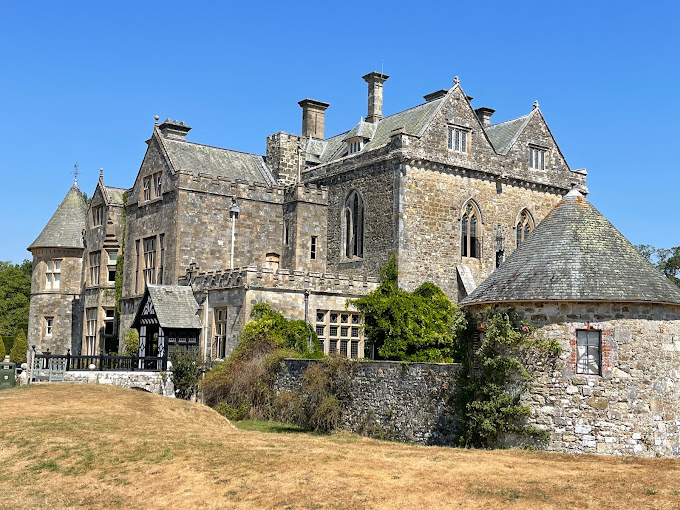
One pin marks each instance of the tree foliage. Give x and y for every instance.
(667, 260)
(418, 326)
(130, 342)
(18, 353)
(15, 290)
(2, 350)
(494, 377)
(243, 385)
(186, 373)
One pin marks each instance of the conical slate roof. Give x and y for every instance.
(64, 230)
(575, 254)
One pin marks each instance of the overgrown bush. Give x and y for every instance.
(130, 342)
(18, 353)
(2, 349)
(187, 369)
(323, 398)
(494, 377)
(245, 381)
(403, 326)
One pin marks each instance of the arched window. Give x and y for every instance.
(469, 242)
(525, 224)
(353, 226)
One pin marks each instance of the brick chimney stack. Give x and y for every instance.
(313, 117)
(375, 82)
(484, 115)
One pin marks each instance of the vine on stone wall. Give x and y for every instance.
(120, 262)
(487, 402)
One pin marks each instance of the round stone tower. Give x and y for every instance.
(56, 316)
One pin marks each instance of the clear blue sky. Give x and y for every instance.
(82, 81)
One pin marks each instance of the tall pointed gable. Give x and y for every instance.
(65, 227)
(575, 254)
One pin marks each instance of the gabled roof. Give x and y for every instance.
(575, 254)
(217, 162)
(115, 195)
(65, 227)
(504, 134)
(175, 306)
(413, 121)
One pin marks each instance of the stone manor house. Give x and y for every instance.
(304, 227)
(490, 212)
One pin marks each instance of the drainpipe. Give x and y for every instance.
(309, 338)
(233, 212)
(205, 329)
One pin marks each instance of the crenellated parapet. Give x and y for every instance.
(254, 277)
(310, 193)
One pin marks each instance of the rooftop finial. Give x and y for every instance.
(75, 174)
(101, 173)
(156, 120)
(456, 80)
(536, 104)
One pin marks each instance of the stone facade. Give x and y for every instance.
(401, 401)
(633, 407)
(154, 382)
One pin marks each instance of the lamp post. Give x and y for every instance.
(233, 213)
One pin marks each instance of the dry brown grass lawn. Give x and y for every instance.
(92, 446)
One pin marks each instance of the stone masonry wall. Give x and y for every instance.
(406, 401)
(634, 406)
(153, 382)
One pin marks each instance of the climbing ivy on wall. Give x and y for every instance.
(494, 376)
(120, 263)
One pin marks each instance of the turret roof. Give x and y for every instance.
(575, 254)
(65, 227)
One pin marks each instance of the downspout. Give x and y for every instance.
(205, 329)
(309, 338)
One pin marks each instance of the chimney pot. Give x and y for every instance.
(375, 82)
(435, 95)
(313, 117)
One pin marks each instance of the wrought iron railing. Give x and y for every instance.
(101, 361)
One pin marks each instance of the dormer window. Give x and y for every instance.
(458, 139)
(152, 186)
(537, 158)
(354, 146)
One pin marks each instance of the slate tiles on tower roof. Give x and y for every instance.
(65, 227)
(575, 254)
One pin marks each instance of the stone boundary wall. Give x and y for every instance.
(403, 401)
(158, 383)
(260, 277)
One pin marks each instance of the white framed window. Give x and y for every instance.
(158, 184)
(149, 246)
(91, 331)
(95, 262)
(49, 326)
(97, 215)
(53, 274)
(537, 158)
(458, 139)
(354, 146)
(588, 352)
(147, 188)
(111, 267)
(313, 248)
(340, 331)
(109, 316)
(220, 340)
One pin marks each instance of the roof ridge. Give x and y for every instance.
(219, 148)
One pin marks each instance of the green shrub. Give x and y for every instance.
(2, 349)
(9, 342)
(187, 369)
(18, 353)
(247, 376)
(130, 342)
(234, 413)
(494, 377)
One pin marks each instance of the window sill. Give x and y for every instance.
(351, 263)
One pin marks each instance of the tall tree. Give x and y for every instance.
(667, 260)
(15, 290)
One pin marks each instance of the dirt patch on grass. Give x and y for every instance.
(95, 446)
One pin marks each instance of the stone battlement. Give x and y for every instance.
(264, 277)
(306, 193)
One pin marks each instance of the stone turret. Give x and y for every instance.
(55, 315)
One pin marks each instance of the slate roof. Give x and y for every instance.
(503, 134)
(218, 162)
(412, 120)
(575, 254)
(115, 195)
(65, 227)
(175, 306)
